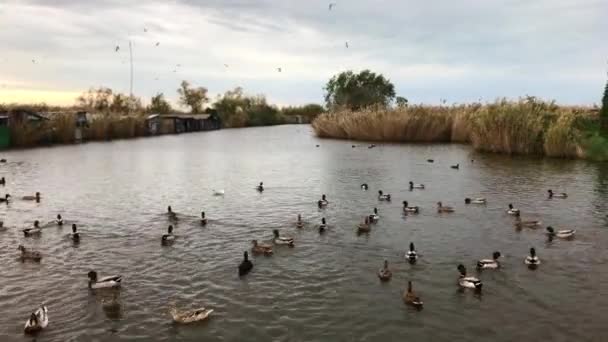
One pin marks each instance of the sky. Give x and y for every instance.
(457, 50)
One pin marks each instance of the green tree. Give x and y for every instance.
(195, 98)
(96, 99)
(604, 111)
(356, 91)
(158, 105)
(401, 101)
(309, 111)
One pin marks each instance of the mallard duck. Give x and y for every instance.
(322, 203)
(105, 282)
(554, 195)
(282, 240)
(374, 217)
(416, 186)
(218, 192)
(33, 231)
(5, 199)
(169, 237)
(512, 211)
(172, 215)
(528, 224)
(468, 282)
(36, 197)
(408, 209)
(75, 236)
(246, 265)
(323, 226)
(562, 234)
(411, 255)
(364, 227)
(364, 186)
(59, 220)
(261, 248)
(410, 298)
(299, 222)
(489, 263)
(478, 200)
(532, 260)
(260, 187)
(385, 273)
(29, 255)
(383, 197)
(38, 320)
(189, 316)
(203, 219)
(444, 209)
(456, 167)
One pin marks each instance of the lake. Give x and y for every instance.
(324, 289)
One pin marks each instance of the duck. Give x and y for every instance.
(489, 263)
(512, 210)
(59, 220)
(218, 192)
(246, 265)
(532, 260)
(416, 186)
(203, 219)
(385, 273)
(364, 187)
(430, 160)
(322, 226)
(5, 199)
(260, 187)
(278, 240)
(444, 209)
(189, 316)
(562, 234)
(456, 167)
(169, 237)
(2, 160)
(478, 200)
(364, 227)
(105, 282)
(36, 197)
(75, 236)
(171, 214)
(371, 146)
(554, 195)
(2, 227)
(528, 224)
(29, 255)
(374, 217)
(468, 282)
(408, 209)
(323, 202)
(261, 248)
(383, 197)
(299, 222)
(411, 255)
(410, 298)
(2, 181)
(33, 231)
(38, 320)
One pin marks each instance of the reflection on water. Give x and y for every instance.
(326, 288)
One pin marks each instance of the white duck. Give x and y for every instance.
(416, 186)
(105, 282)
(411, 255)
(478, 200)
(468, 282)
(189, 316)
(562, 234)
(532, 260)
(278, 240)
(37, 321)
(489, 263)
(512, 210)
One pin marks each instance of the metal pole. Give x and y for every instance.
(131, 58)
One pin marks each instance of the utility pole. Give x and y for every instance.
(131, 59)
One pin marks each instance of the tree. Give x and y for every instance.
(194, 98)
(356, 91)
(401, 102)
(604, 111)
(96, 99)
(158, 105)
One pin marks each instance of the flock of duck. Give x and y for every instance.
(38, 320)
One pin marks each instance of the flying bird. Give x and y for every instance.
(33, 61)
(117, 48)
(331, 5)
(179, 65)
(157, 43)
(346, 45)
(226, 65)
(279, 69)
(145, 29)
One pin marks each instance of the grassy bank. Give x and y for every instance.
(526, 126)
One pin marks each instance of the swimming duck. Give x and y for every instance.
(528, 224)
(562, 234)
(189, 316)
(489, 263)
(456, 167)
(2, 181)
(169, 237)
(323, 225)
(171, 214)
(371, 146)
(430, 160)
(261, 248)
(105, 282)
(59, 220)
(444, 209)
(299, 222)
(512, 211)
(416, 186)
(364, 227)
(38, 320)
(218, 192)
(408, 209)
(374, 217)
(282, 240)
(532, 260)
(383, 197)
(75, 235)
(2, 227)
(411, 255)
(364, 186)
(246, 265)
(2, 160)
(5, 199)
(468, 282)
(323, 202)
(385, 273)
(260, 187)
(36, 197)
(560, 195)
(203, 219)
(478, 200)
(33, 231)
(29, 255)
(410, 298)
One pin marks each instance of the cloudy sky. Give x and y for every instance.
(459, 50)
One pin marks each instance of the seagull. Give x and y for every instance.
(226, 65)
(33, 61)
(346, 45)
(145, 29)
(331, 5)
(279, 69)
(117, 48)
(157, 43)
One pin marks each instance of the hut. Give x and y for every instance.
(180, 123)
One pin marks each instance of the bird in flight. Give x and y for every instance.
(226, 65)
(179, 65)
(145, 29)
(117, 48)
(346, 45)
(279, 69)
(33, 61)
(332, 5)
(157, 43)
